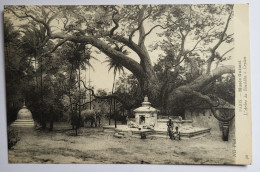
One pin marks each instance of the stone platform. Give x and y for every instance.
(186, 132)
(24, 123)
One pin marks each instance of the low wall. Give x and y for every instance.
(162, 123)
(205, 118)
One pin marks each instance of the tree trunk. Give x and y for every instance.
(76, 121)
(114, 107)
(209, 63)
(110, 111)
(51, 122)
(115, 113)
(36, 78)
(89, 91)
(79, 118)
(99, 119)
(43, 119)
(70, 88)
(51, 118)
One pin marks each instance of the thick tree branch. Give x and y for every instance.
(126, 61)
(115, 22)
(186, 90)
(69, 29)
(220, 41)
(33, 18)
(226, 53)
(222, 34)
(57, 46)
(158, 25)
(193, 89)
(141, 19)
(184, 54)
(129, 44)
(213, 105)
(205, 79)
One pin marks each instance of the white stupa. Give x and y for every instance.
(146, 114)
(24, 118)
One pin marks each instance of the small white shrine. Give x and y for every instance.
(146, 114)
(24, 118)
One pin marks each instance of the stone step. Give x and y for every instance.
(195, 133)
(118, 135)
(158, 136)
(192, 132)
(109, 130)
(109, 127)
(139, 132)
(160, 132)
(24, 122)
(23, 126)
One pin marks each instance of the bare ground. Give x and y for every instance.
(94, 146)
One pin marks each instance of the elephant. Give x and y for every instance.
(92, 116)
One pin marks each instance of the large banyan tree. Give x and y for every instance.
(194, 38)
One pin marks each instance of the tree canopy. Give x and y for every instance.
(172, 52)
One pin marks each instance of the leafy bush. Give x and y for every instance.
(13, 137)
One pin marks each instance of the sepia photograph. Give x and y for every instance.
(128, 84)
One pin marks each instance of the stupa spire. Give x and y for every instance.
(24, 106)
(145, 98)
(146, 102)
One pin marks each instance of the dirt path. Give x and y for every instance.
(95, 146)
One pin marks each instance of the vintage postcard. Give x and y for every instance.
(129, 84)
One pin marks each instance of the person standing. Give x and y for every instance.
(170, 128)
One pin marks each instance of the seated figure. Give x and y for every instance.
(176, 134)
